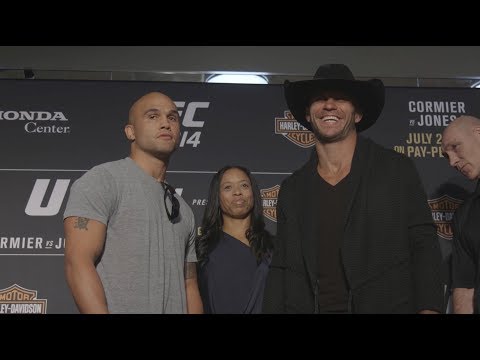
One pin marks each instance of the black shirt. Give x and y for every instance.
(231, 282)
(466, 246)
(330, 211)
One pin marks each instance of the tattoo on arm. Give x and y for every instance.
(190, 270)
(81, 223)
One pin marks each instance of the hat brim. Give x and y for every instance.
(369, 96)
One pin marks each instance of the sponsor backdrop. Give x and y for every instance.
(54, 131)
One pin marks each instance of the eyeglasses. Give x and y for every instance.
(169, 192)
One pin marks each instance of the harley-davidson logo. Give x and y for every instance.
(18, 300)
(293, 130)
(443, 209)
(269, 201)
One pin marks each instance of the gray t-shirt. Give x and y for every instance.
(142, 266)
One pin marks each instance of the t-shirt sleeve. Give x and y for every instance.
(191, 254)
(92, 196)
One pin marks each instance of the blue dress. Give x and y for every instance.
(232, 282)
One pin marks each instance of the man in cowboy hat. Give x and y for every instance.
(355, 233)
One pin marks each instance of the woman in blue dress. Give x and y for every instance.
(234, 250)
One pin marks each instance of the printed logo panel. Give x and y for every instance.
(33, 211)
(293, 131)
(18, 300)
(443, 209)
(187, 112)
(38, 122)
(269, 201)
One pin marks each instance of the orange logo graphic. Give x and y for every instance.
(293, 130)
(18, 300)
(269, 201)
(443, 209)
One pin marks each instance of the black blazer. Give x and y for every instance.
(390, 252)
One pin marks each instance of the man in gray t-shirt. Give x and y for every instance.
(129, 238)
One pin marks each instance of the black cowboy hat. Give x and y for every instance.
(368, 95)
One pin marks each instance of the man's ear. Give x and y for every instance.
(476, 130)
(358, 116)
(129, 132)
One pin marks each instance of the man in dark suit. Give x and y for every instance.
(461, 147)
(355, 233)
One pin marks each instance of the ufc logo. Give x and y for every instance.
(55, 202)
(37, 196)
(190, 112)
